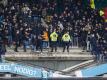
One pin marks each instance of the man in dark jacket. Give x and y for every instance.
(16, 40)
(39, 42)
(95, 47)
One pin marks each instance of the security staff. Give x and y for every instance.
(54, 37)
(92, 4)
(66, 41)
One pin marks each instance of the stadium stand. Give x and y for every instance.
(21, 25)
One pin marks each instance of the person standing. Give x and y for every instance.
(88, 42)
(45, 39)
(95, 47)
(39, 43)
(17, 37)
(33, 42)
(25, 42)
(54, 37)
(66, 41)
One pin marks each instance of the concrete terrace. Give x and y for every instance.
(74, 54)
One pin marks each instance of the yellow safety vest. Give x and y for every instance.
(66, 37)
(54, 36)
(105, 20)
(92, 4)
(101, 13)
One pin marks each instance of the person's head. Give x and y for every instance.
(89, 32)
(104, 41)
(106, 28)
(92, 35)
(54, 30)
(66, 32)
(96, 25)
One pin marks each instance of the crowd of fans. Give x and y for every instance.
(21, 25)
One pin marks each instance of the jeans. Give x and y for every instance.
(33, 47)
(9, 41)
(25, 45)
(75, 41)
(88, 46)
(45, 44)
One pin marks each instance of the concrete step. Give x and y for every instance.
(54, 56)
(74, 54)
(60, 50)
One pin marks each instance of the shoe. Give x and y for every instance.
(24, 51)
(51, 51)
(87, 51)
(16, 51)
(41, 53)
(83, 51)
(37, 51)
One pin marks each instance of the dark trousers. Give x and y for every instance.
(39, 45)
(66, 44)
(16, 47)
(25, 43)
(53, 46)
(96, 52)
